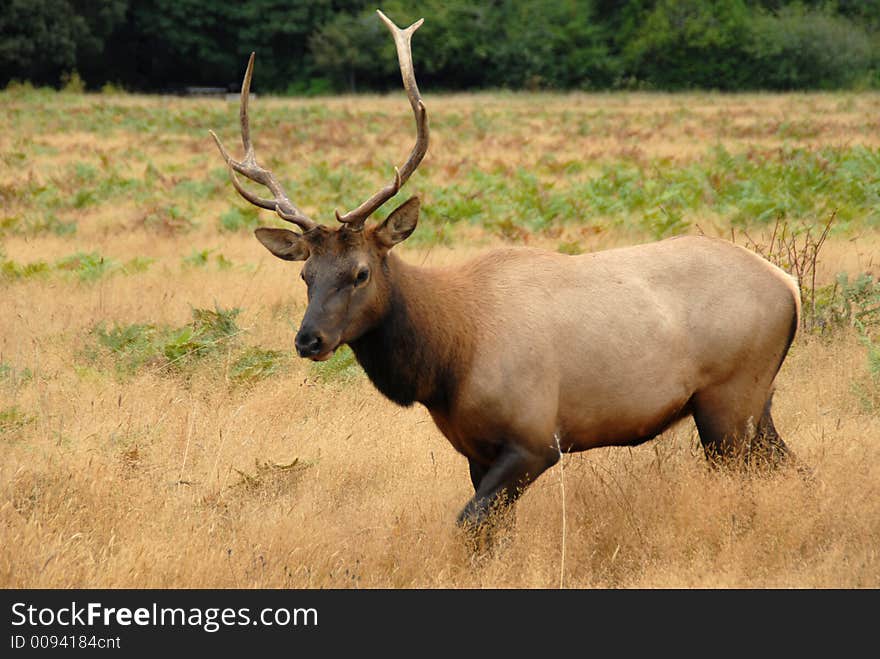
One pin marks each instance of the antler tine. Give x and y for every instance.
(402, 38)
(249, 168)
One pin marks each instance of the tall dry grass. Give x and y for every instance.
(186, 478)
(166, 481)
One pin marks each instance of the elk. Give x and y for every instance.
(521, 354)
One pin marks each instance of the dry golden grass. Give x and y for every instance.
(168, 479)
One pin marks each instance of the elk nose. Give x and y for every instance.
(309, 343)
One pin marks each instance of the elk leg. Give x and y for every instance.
(736, 427)
(505, 479)
(768, 446)
(478, 471)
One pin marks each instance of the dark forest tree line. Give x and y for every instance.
(315, 46)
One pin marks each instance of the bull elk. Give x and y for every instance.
(521, 354)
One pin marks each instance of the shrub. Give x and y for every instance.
(72, 83)
(801, 48)
(692, 43)
(846, 303)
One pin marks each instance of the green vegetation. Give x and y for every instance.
(137, 265)
(34, 224)
(212, 333)
(342, 367)
(133, 346)
(12, 421)
(874, 364)
(315, 46)
(245, 218)
(87, 267)
(198, 258)
(13, 376)
(661, 197)
(257, 363)
(848, 303)
(9, 269)
(569, 247)
(856, 303)
(201, 258)
(867, 389)
(208, 333)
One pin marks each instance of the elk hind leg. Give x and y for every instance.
(767, 446)
(478, 472)
(736, 427)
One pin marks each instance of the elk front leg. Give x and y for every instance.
(504, 480)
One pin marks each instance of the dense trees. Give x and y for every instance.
(734, 44)
(308, 46)
(42, 39)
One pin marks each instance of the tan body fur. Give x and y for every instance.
(605, 348)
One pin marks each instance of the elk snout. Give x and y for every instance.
(310, 343)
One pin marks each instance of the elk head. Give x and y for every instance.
(348, 286)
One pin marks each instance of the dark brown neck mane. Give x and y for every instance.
(418, 350)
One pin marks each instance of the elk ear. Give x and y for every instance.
(284, 244)
(400, 224)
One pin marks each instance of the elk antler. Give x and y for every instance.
(250, 169)
(355, 219)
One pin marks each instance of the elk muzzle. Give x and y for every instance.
(313, 344)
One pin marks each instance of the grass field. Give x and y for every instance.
(157, 429)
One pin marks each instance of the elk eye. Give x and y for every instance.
(362, 276)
